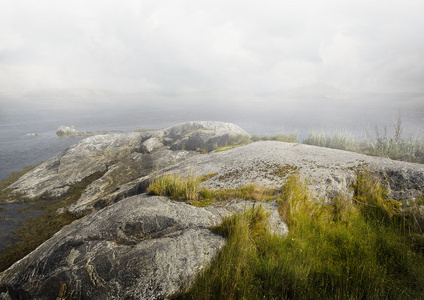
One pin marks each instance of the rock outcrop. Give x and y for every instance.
(130, 245)
(129, 161)
(144, 247)
(123, 158)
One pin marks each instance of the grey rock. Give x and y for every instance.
(66, 130)
(203, 135)
(116, 182)
(140, 248)
(91, 155)
(150, 145)
(126, 160)
(329, 172)
(128, 169)
(151, 247)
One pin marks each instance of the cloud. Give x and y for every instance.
(187, 45)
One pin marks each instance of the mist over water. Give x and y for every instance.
(262, 115)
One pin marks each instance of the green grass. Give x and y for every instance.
(175, 187)
(188, 189)
(224, 148)
(360, 248)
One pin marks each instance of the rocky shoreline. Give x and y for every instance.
(131, 245)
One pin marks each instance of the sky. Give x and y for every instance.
(179, 46)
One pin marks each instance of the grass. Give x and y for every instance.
(224, 148)
(381, 144)
(396, 147)
(291, 137)
(188, 189)
(361, 248)
(175, 187)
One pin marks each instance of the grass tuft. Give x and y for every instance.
(188, 189)
(175, 187)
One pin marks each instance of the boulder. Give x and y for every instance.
(144, 247)
(66, 131)
(204, 135)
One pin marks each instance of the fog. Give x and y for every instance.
(182, 46)
(268, 66)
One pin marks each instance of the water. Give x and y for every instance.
(11, 218)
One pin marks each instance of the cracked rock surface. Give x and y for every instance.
(144, 247)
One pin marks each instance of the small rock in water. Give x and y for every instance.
(66, 130)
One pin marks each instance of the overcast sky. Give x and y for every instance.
(194, 45)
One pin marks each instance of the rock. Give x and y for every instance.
(150, 247)
(91, 155)
(114, 185)
(204, 135)
(130, 161)
(140, 248)
(150, 145)
(123, 158)
(66, 131)
(329, 172)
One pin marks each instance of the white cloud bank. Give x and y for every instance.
(189, 45)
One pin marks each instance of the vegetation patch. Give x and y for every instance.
(380, 144)
(291, 137)
(360, 248)
(188, 189)
(38, 229)
(224, 148)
